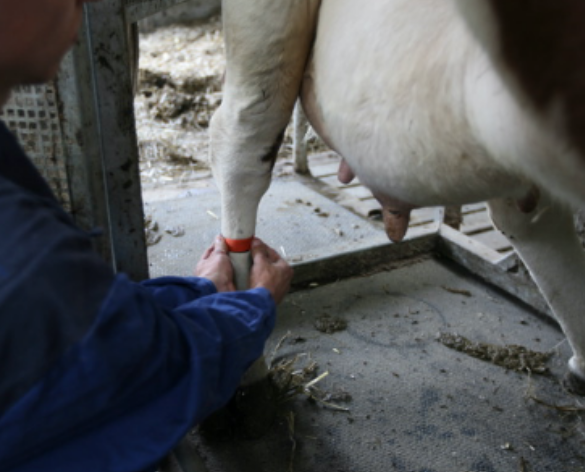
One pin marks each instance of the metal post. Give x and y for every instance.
(110, 53)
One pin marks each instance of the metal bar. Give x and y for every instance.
(115, 113)
(82, 145)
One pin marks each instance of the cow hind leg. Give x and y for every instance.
(267, 44)
(546, 241)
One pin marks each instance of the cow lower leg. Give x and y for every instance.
(301, 125)
(267, 45)
(546, 241)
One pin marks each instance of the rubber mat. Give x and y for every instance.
(413, 404)
(299, 222)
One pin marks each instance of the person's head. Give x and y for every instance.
(34, 37)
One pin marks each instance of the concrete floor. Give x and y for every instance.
(301, 223)
(413, 404)
(306, 219)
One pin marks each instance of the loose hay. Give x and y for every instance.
(187, 105)
(253, 409)
(291, 380)
(457, 291)
(511, 356)
(180, 75)
(179, 88)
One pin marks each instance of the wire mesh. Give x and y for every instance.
(32, 114)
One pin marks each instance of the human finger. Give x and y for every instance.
(264, 248)
(256, 245)
(208, 251)
(272, 254)
(220, 246)
(259, 248)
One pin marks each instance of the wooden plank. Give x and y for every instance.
(325, 170)
(494, 239)
(333, 181)
(474, 207)
(423, 216)
(321, 158)
(361, 262)
(476, 221)
(476, 228)
(426, 229)
(491, 267)
(469, 245)
(367, 208)
(360, 192)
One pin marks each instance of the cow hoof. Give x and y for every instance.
(249, 414)
(574, 384)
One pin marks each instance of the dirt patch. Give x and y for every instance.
(330, 324)
(511, 357)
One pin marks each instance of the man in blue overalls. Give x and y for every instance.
(97, 372)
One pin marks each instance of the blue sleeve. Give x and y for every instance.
(98, 373)
(170, 292)
(143, 375)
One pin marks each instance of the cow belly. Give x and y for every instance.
(394, 86)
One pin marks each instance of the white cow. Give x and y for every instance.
(424, 112)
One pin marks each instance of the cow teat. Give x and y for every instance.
(396, 216)
(345, 174)
(395, 223)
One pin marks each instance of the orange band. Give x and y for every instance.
(239, 245)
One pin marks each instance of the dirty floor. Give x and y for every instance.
(396, 399)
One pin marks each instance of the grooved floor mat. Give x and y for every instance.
(413, 403)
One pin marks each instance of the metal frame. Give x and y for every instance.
(111, 60)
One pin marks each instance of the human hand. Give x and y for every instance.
(269, 270)
(215, 265)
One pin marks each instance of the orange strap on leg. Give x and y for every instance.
(239, 245)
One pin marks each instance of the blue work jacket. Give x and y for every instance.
(97, 372)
